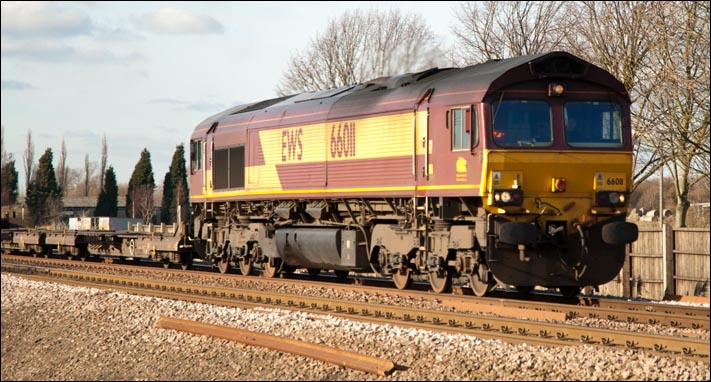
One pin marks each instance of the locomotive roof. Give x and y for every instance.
(401, 92)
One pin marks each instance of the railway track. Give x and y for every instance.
(509, 329)
(505, 304)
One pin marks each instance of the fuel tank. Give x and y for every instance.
(324, 248)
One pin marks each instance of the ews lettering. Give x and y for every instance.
(291, 146)
(343, 140)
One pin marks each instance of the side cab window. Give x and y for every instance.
(195, 156)
(462, 123)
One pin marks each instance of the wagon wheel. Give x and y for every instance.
(441, 281)
(271, 267)
(186, 261)
(246, 265)
(313, 272)
(82, 253)
(166, 264)
(287, 269)
(402, 278)
(481, 281)
(569, 291)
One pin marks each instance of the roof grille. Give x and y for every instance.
(558, 66)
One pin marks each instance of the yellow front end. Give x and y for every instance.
(557, 219)
(562, 185)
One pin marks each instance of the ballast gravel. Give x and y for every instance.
(58, 332)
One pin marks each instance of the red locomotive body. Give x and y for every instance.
(463, 174)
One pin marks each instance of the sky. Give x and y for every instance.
(144, 74)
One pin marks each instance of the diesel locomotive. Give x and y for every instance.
(513, 171)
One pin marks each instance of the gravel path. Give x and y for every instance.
(57, 332)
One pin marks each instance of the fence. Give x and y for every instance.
(663, 262)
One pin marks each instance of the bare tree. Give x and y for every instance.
(360, 46)
(679, 96)
(28, 159)
(4, 155)
(102, 170)
(618, 37)
(501, 29)
(143, 202)
(74, 183)
(89, 168)
(62, 169)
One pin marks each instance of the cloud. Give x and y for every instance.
(57, 51)
(38, 50)
(43, 19)
(179, 21)
(201, 106)
(16, 85)
(170, 101)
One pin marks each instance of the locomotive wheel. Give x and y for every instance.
(313, 272)
(569, 291)
(245, 266)
(223, 265)
(271, 268)
(441, 282)
(166, 264)
(481, 282)
(402, 278)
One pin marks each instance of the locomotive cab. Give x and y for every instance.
(558, 173)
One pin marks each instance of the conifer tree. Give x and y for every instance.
(175, 190)
(167, 196)
(9, 176)
(9, 183)
(43, 194)
(142, 183)
(107, 204)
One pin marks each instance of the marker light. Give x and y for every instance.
(556, 89)
(558, 184)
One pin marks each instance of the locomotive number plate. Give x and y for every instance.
(610, 181)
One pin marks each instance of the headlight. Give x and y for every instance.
(610, 198)
(505, 197)
(614, 198)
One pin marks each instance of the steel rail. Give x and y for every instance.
(533, 305)
(677, 316)
(512, 330)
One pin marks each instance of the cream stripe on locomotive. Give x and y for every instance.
(298, 156)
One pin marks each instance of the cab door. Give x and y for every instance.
(454, 159)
